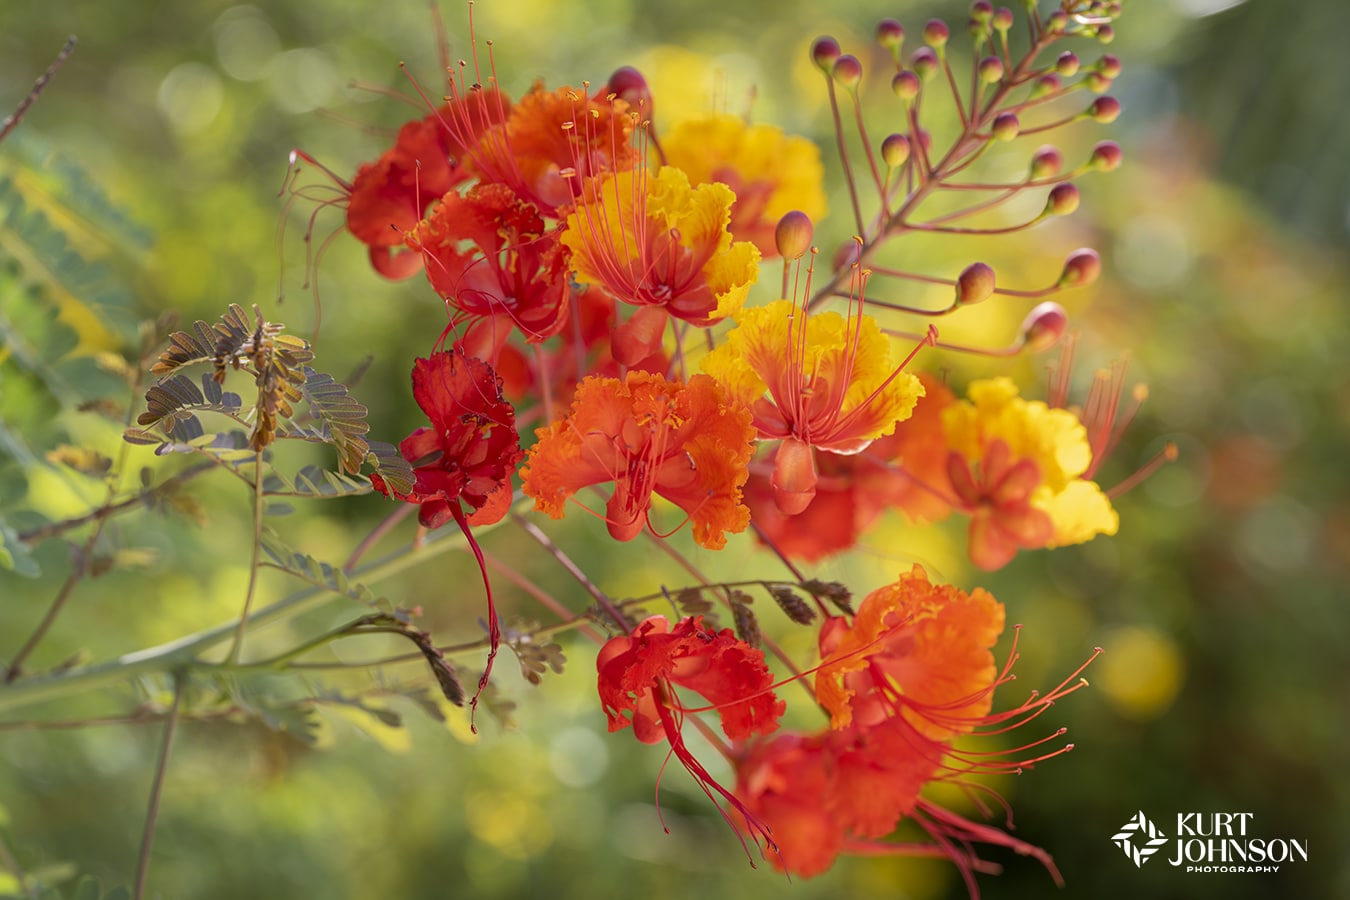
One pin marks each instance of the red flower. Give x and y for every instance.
(470, 451)
(639, 673)
(389, 196)
(467, 457)
(511, 273)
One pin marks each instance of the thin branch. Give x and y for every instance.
(13, 120)
(152, 811)
(257, 557)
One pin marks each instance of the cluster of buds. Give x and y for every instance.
(598, 282)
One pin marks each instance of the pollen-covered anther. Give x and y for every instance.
(1081, 267)
(1006, 126)
(975, 284)
(1044, 326)
(793, 234)
(1104, 110)
(895, 150)
(1063, 200)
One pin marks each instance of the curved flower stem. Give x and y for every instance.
(152, 812)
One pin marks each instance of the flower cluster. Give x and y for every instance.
(605, 282)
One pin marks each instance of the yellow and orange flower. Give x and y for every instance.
(814, 381)
(769, 172)
(1016, 467)
(656, 243)
(689, 443)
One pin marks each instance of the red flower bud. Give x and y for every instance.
(981, 10)
(1046, 84)
(1006, 126)
(975, 284)
(628, 84)
(1109, 65)
(1044, 326)
(936, 33)
(895, 150)
(1046, 162)
(793, 234)
(925, 63)
(824, 51)
(1063, 199)
(905, 85)
(991, 69)
(1057, 22)
(890, 34)
(848, 70)
(1106, 156)
(1106, 34)
(1082, 267)
(1067, 64)
(1104, 110)
(1003, 19)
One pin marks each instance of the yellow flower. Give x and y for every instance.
(770, 173)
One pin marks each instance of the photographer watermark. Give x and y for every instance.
(1208, 842)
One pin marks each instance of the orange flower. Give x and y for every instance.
(915, 650)
(685, 442)
(551, 139)
(660, 245)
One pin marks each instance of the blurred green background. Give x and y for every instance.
(1220, 604)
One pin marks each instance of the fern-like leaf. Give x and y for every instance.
(342, 420)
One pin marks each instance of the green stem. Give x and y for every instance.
(185, 651)
(157, 786)
(256, 561)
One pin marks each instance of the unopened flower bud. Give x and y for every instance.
(824, 51)
(1003, 19)
(981, 10)
(1063, 199)
(1109, 65)
(1067, 64)
(890, 34)
(1097, 82)
(925, 63)
(793, 234)
(847, 71)
(936, 33)
(1080, 268)
(1006, 126)
(895, 150)
(1044, 326)
(1048, 83)
(976, 283)
(628, 84)
(1106, 156)
(1057, 22)
(1106, 34)
(991, 70)
(905, 84)
(1046, 162)
(1104, 110)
